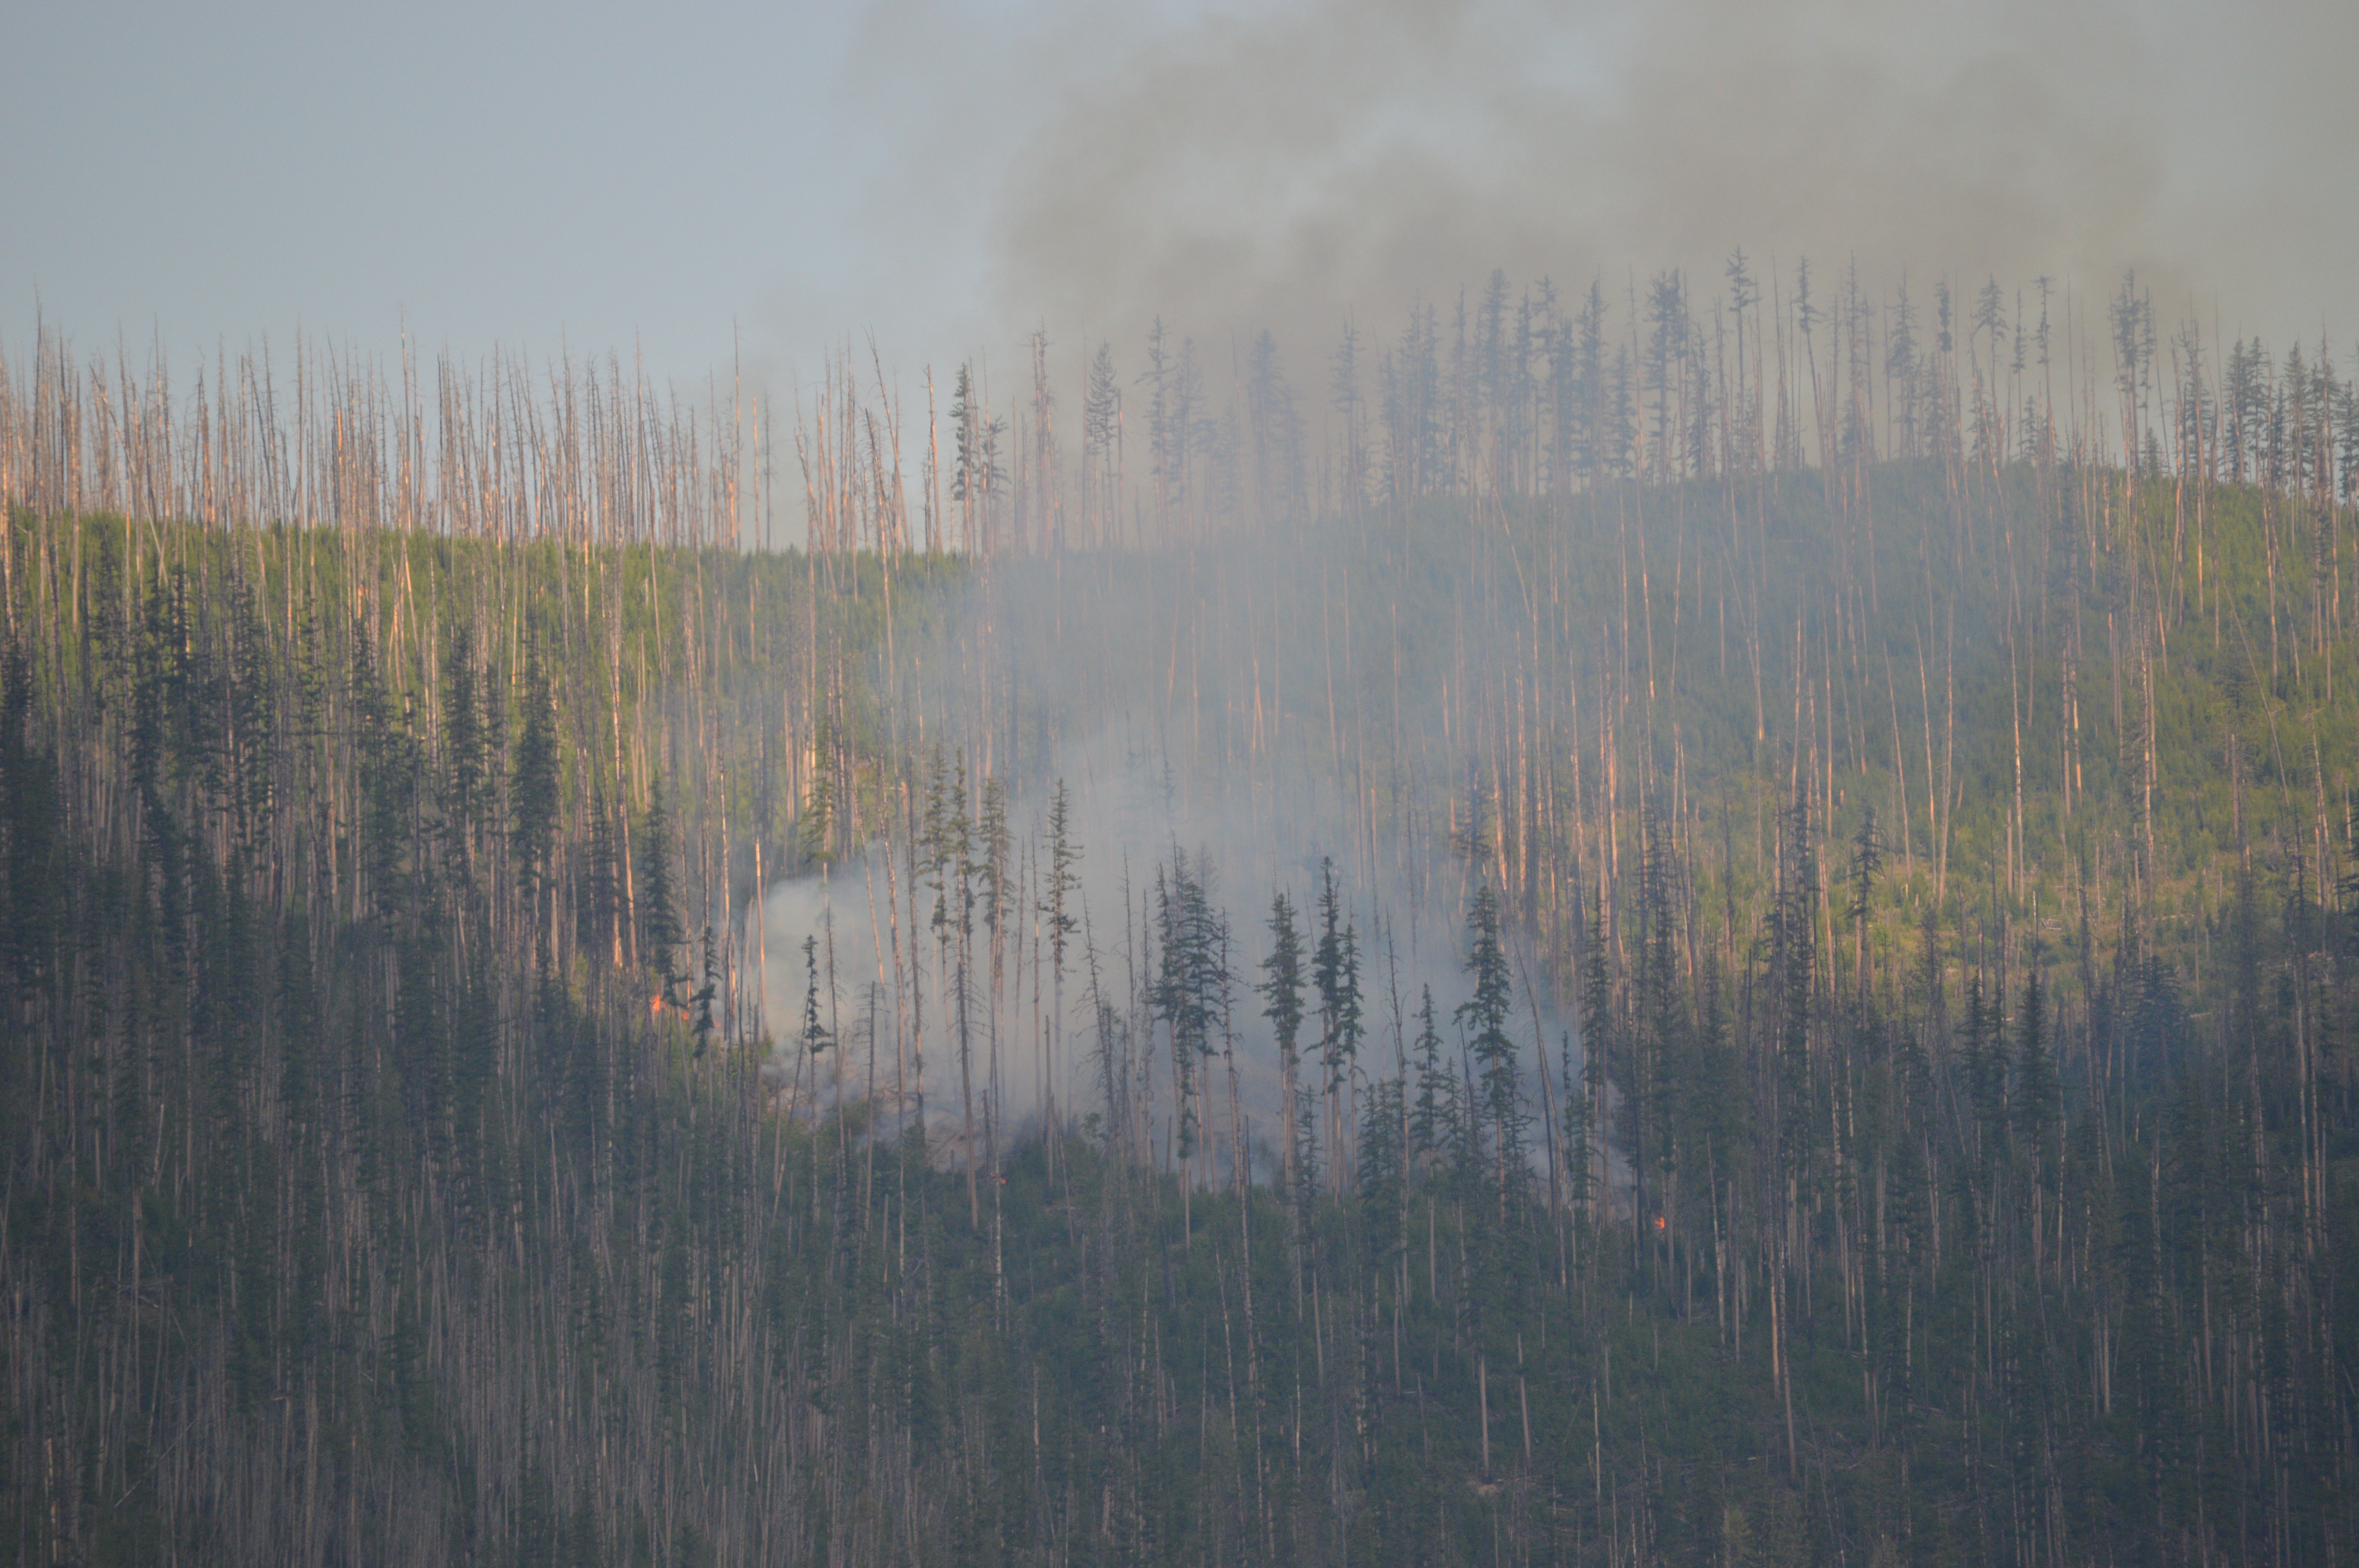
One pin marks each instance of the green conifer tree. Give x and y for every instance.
(660, 926)
(1498, 1073)
(1281, 992)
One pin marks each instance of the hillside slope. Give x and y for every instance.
(415, 1154)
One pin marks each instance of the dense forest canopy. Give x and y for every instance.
(1698, 926)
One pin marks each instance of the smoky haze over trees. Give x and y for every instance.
(1203, 167)
(1232, 167)
(1701, 917)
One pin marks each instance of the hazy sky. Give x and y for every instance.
(945, 172)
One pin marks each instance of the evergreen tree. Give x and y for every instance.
(1382, 1173)
(1652, 1079)
(2038, 1095)
(1335, 972)
(1437, 1123)
(1866, 865)
(464, 745)
(659, 926)
(1281, 992)
(31, 833)
(601, 883)
(533, 789)
(1064, 885)
(815, 1035)
(1499, 1076)
(1794, 951)
(1985, 1053)
(1190, 992)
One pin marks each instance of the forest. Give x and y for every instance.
(547, 1024)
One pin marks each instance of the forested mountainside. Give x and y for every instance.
(1723, 1172)
(1562, 983)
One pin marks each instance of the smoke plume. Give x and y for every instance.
(1232, 168)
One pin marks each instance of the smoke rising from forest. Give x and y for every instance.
(1239, 169)
(1225, 709)
(1903, 742)
(1230, 169)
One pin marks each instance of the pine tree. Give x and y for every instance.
(977, 476)
(602, 884)
(1190, 992)
(1499, 1076)
(659, 926)
(31, 839)
(1652, 1077)
(1281, 991)
(1794, 955)
(2038, 1095)
(533, 789)
(1596, 1041)
(1866, 864)
(1985, 1056)
(1101, 445)
(1064, 885)
(1437, 1123)
(815, 1035)
(1383, 1173)
(464, 747)
(1335, 972)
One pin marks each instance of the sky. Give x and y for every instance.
(706, 186)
